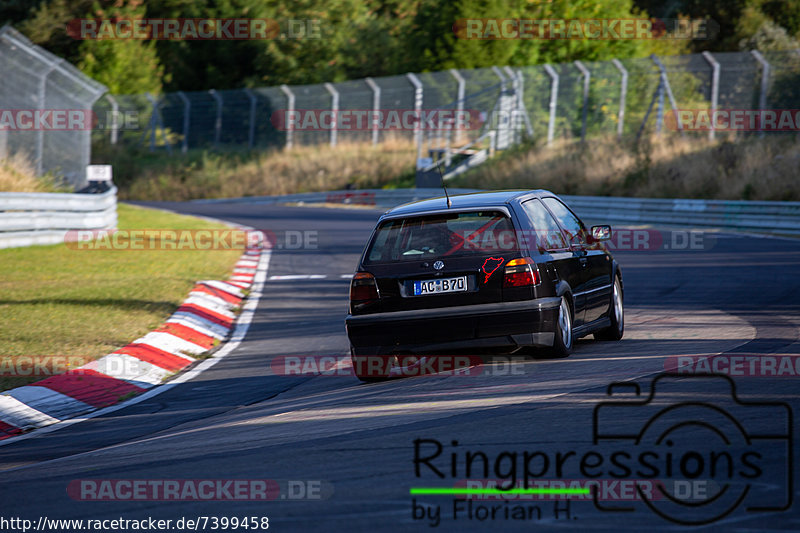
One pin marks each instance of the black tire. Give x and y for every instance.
(616, 313)
(361, 366)
(564, 340)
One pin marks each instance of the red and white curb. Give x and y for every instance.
(204, 319)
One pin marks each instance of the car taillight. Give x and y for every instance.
(363, 289)
(521, 272)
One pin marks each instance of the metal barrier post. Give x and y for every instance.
(334, 110)
(459, 123)
(251, 133)
(187, 107)
(114, 118)
(587, 76)
(289, 112)
(40, 104)
(218, 122)
(665, 86)
(155, 122)
(519, 81)
(714, 90)
(551, 123)
(376, 108)
(623, 93)
(500, 121)
(418, 111)
(762, 95)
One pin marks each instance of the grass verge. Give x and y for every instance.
(83, 304)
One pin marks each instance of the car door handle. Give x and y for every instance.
(584, 261)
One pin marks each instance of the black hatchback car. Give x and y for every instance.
(505, 269)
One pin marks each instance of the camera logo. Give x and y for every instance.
(710, 456)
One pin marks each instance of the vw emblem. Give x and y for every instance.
(438, 265)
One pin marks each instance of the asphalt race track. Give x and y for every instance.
(348, 448)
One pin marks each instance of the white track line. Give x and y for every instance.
(297, 276)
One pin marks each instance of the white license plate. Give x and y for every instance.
(437, 286)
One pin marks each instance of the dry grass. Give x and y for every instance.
(666, 167)
(17, 174)
(301, 169)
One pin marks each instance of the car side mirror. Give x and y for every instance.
(601, 233)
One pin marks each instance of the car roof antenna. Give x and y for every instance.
(449, 203)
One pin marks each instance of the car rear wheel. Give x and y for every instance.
(375, 368)
(616, 313)
(564, 339)
(361, 367)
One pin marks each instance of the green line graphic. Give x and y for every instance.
(448, 491)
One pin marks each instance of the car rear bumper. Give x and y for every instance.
(504, 324)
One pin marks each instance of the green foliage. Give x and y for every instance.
(123, 65)
(358, 38)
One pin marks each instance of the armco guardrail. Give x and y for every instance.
(45, 218)
(779, 218)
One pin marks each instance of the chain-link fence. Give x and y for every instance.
(45, 108)
(497, 106)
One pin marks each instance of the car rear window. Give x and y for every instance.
(448, 234)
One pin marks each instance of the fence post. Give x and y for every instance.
(152, 124)
(447, 148)
(623, 93)
(187, 107)
(762, 95)
(41, 102)
(714, 90)
(503, 122)
(155, 121)
(459, 123)
(520, 88)
(551, 123)
(376, 108)
(289, 112)
(251, 133)
(664, 85)
(114, 118)
(218, 121)
(335, 110)
(418, 111)
(587, 77)
(516, 83)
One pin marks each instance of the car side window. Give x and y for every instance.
(573, 227)
(547, 234)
